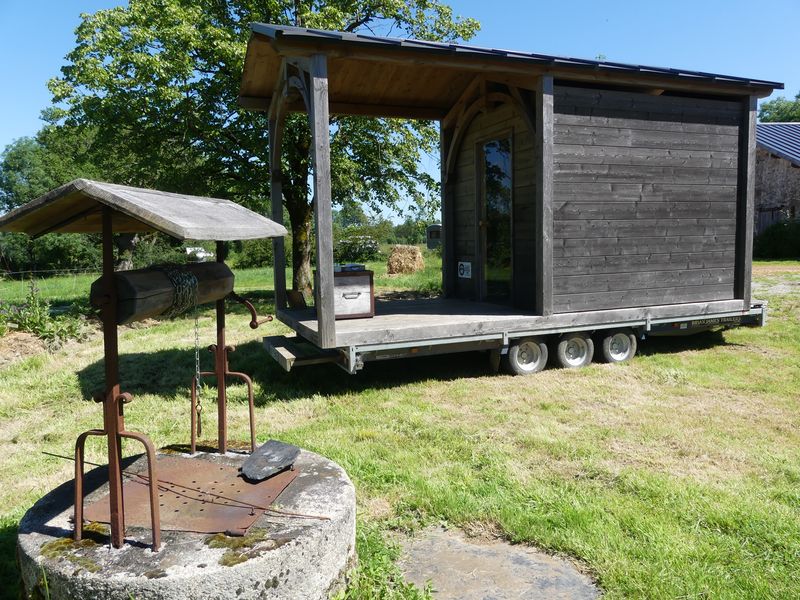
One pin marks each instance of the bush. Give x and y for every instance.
(356, 247)
(781, 240)
(34, 316)
(253, 254)
(158, 249)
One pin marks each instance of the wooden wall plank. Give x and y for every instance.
(644, 198)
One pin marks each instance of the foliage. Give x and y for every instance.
(253, 254)
(29, 167)
(159, 81)
(34, 316)
(355, 246)
(780, 110)
(780, 240)
(158, 249)
(52, 252)
(410, 231)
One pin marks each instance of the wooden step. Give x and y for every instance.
(293, 351)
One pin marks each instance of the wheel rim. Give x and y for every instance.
(619, 347)
(576, 352)
(528, 356)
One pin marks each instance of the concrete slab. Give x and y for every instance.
(459, 568)
(282, 557)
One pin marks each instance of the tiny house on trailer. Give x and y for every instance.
(581, 200)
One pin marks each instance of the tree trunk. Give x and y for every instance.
(301, 221)
(126, 244)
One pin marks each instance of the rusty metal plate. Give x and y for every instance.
(195, 495)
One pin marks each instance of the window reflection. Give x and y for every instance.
(497, 191)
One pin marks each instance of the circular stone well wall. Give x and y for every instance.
(281, 557)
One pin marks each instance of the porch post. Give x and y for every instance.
(321, 159)
(745, 200)
(448, 254)
(544, 196)
(276, 120)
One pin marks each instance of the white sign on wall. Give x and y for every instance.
(465, 270)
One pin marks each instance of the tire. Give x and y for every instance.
(525, 357)
(619, 346)
(574, 350)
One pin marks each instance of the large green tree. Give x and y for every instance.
(160, 79)
(780, 110)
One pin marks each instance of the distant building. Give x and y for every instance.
(433, 236)
(777, 179)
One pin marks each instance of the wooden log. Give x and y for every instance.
(146, 293)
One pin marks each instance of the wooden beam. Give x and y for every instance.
(432, 113)
(277, 115)
(447, 241)
(319, 121)
(745, 193)
(465, 99)
(543, 303)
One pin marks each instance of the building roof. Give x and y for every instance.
(77, 208)
(781, 139)
(373, 71)
(320, 35)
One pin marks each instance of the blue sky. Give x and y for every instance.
(734, 37)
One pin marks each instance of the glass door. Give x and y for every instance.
(495, 209)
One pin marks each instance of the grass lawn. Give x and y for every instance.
(674, 476)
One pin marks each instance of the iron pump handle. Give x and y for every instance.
(254, 321)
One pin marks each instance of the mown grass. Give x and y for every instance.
(676, 475)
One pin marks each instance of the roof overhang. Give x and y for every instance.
(381, 76)
(77, 207)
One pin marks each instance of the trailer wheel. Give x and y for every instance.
(619, 345)
(574, 350)
(525, 356)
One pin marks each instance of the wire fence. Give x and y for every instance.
(52, 284)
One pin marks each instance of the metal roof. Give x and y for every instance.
(781, 139)
(285, 32)
(76, 208)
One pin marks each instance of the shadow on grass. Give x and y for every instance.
(9, 571)
(169, 372)
(683, 343)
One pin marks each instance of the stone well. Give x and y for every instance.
(282, 556)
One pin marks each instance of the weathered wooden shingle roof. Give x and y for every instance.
(77, 206)
(781, 139)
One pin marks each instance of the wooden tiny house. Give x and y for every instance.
(578, 196)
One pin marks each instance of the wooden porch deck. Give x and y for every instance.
(403, 321)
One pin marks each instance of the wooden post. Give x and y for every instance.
(321, 158)
(745, 201)
(276, 120)
(447, 237)
(543, 303)
(113, 419)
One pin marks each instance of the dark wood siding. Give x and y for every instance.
(500, 121)
(644, 199)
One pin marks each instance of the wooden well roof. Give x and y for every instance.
(384, 76)
(77, 208)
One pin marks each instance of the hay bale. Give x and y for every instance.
(405, 259)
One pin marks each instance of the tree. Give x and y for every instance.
(160, 78)
(780, 110)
